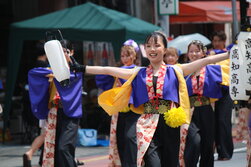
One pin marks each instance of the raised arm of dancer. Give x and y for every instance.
(189, 68)
(114, 71)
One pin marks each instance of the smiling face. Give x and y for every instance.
(195, 52)
(155, 49)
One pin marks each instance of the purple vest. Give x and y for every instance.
(170, 89)
(212, 87)
(71, 96)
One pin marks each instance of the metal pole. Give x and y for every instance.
(164, 23)
(132, 7)
(244, 18)
(156, 14)
(235, 20)
(138, 9)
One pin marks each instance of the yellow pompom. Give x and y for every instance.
(175, 117)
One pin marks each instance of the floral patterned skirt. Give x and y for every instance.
(243, 131)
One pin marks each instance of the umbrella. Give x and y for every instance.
(182, 41)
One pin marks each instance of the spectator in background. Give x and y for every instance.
(223, 107)
(219, 41)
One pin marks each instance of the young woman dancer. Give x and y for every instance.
(205, 83)
(123, 143)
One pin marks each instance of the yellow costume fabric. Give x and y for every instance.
(116, 99)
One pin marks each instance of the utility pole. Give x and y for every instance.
(164, 23)
(245, 23)
(156, 14)
(235, 20)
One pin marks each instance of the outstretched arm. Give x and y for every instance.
(113, 71)
(198, 64)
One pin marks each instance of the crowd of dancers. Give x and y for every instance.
(164, 114)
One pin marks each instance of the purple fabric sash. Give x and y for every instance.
(170, 89)
(71, 96)
(213, 78)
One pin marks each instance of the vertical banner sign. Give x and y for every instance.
(236, 88)
(240, 68)
(168, 7)
(244, 43)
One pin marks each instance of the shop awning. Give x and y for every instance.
(205, 12)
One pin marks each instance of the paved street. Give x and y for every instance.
(238, 159)
(11, 156)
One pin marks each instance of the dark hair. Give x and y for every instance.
(67, 44)
(199, 44)
(183, 59)
(155, 35)
(220, 34)
(40, 49)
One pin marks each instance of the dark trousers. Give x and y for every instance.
(66, 136)
(163, 150)
(223, 126)
(200, 138)
(127, 139)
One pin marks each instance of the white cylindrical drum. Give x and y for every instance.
(57, 60)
